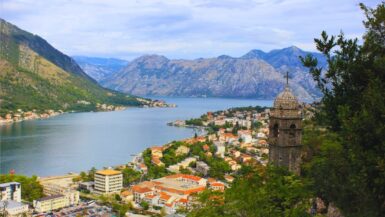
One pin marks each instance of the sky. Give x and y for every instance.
(182, 29)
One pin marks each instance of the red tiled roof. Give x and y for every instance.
(217, 184)
(206, 147)
(211, 180)
(157, 148)
(140, 190)
(195, 178)
(164, 196)
(185, 176)
(183, 200)
(149, 196)
(126, 193)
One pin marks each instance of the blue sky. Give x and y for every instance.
(182, 28)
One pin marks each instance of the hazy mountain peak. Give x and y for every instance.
(225, 76)
(151, 58)
(223, 57)
(100, 68)
(255, 53)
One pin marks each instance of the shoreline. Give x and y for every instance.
(76, 173)
(20, 116)
(125, 160)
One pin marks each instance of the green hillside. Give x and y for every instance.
(36, 76)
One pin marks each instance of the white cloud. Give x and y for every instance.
(181, 28)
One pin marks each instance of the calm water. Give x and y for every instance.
(79, 141)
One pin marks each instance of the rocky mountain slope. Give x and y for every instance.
(36, 76)
(100, 68)
(254, 75)
(287, 60)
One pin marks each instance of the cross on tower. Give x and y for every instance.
(287, 79)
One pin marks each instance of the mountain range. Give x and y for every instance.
(36, 76)
(100, 68)
(257, 74)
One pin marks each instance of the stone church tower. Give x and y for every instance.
(285, 132)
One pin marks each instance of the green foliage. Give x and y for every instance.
(121, 209)
(260, 193)
(130, 175)
(218, 167)
(195, 122)
(256, 125)
(144, 205)
(153, 172)
(117, 197)
(23, 86)
(30, 187)
(348, 168)
(184, 170)
(169, 155)
(86, 176)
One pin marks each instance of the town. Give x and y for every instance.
(20, 115)
(162, 180)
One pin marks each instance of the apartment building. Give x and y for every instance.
(47, 204)
(10, 191)
(108, 181)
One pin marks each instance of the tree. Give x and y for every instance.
(118, 198)
(353, 107)
(130, 175)
(260, 192)
(144, 205)
(30, 187)
(91, 174)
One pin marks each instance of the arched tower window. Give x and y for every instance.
(275, 130)
(292, 131)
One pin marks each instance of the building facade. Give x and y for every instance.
(202, 168)
(285, 132)
(72, 195)
(108, 181)
(13, 208)
(10, 191)
(47, 204)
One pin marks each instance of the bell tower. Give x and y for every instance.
(285, 131)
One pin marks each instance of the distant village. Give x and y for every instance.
(20, 115)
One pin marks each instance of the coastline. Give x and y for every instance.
(28, 116)
(20, 116)
(154, 119)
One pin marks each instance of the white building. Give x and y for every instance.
(221, 149)
(184, 164)
(202, 167)
(246, 138)
(10, 191)
(49, 203)
(71, 195)
(13, 208)
(108, 181)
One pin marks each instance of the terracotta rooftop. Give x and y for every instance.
(185, 176)
(140, 189)
(126, 193)
(217, 184)
(164, 196)
(108, 172)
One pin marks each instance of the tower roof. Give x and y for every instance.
(286, 100)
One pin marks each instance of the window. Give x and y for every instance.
(292, 131)
(275, 130)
